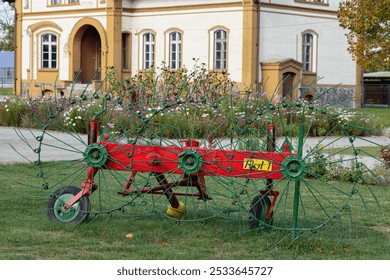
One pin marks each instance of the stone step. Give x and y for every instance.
(78, 89)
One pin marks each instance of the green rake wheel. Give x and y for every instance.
(227, 157)
(78, 212)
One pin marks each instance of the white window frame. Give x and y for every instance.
(175, 50)
(220, 49)
(52, 51)
(148, 50)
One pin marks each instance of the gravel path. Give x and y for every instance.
(15, 149)
(17, 145)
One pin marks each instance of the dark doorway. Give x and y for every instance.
(288, 85)
(90, 55)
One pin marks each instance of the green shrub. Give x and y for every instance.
(13, 112)
(317, 164)
(224, 110)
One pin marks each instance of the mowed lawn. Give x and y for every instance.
(26, 232)
(380, 116)
(6, 91)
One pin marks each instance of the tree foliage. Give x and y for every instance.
(368, 26)
(7, 27)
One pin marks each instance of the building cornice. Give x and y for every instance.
(184, 7)
(298, 9)
(142, 10)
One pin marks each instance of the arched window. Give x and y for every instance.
(148, 51)
(49, 51)
(220, 49)
(307, 52)
(174, 50)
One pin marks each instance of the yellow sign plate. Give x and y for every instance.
(257, 164)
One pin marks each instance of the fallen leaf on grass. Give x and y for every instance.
(165, 244)
(129, 235)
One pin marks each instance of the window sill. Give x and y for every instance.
(307, 73)
(219, 71)
(47, 69)
(174, 70)
(145, 71)
(63, 5)
(312, 3)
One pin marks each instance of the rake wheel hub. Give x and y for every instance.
(190, 162)
(294, 168)
(65, 215)
(95, 155)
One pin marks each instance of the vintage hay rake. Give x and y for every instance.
(209, 157)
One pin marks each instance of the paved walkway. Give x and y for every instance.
(17, 145)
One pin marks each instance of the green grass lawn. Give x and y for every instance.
(26, 232)
(6, 91)
(380, 116)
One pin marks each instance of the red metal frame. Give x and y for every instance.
(159, 160)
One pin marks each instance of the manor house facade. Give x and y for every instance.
(258, 42)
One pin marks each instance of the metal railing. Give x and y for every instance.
(376, 95)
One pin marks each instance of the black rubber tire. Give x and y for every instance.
(259, 209)
(80, 209)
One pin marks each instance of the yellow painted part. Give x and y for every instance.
(177, 212)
